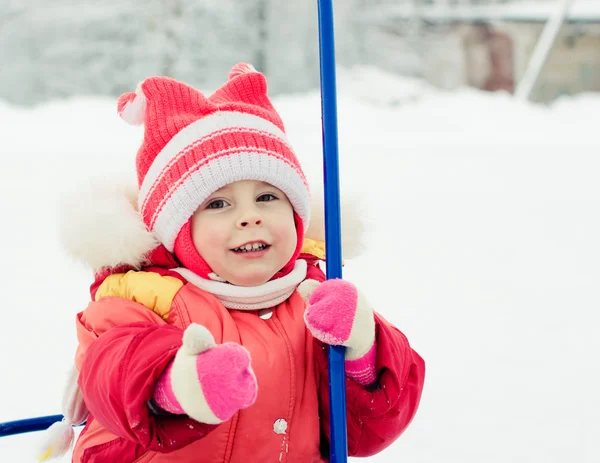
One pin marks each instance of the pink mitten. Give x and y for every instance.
(338, 314)
(206, 381)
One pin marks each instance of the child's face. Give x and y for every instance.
(241, 215)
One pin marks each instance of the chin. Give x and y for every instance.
(255, 279)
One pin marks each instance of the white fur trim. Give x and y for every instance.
(362, 335)
(184, 377)
(101, 227)
(188, 196)
(250, 297)
(57, 441)
(73, 406)
(59, 437)
(353, 227)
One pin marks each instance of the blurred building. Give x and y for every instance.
(65, 48)
(487, 44)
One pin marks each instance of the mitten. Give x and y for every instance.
(339, 315)
(206, 381)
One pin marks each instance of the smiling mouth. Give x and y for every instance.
(254, 247)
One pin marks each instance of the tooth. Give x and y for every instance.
(256, 246)
(248, 247)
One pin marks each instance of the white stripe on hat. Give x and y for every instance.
(184, 201)
(195, 131)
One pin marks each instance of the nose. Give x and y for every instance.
(250, 218)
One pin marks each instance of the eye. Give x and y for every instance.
(267, 197)
(217, 204)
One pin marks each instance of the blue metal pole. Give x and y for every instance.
(337, 379)
(39, 423)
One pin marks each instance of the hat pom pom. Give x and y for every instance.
(241, 69)
(132, 107)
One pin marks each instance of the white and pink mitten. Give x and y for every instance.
(339, 315)
(208, 382)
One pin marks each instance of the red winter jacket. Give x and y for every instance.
(133, 329)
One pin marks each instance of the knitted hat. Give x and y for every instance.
(194, 145)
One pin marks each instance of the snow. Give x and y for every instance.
(482, 247)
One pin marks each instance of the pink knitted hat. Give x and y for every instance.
(194, 145)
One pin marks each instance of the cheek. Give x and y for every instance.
(208, 237)
(286, 234)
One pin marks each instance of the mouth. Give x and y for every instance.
(253, 246)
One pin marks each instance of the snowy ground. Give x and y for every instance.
(483, 247)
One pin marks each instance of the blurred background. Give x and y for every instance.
(64, 48)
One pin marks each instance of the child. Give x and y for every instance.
(206, 340)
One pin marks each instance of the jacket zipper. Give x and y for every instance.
(292, 401)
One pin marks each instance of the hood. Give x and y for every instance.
(101, 227)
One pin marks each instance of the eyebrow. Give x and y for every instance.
(220, 190)
(268, 185)
(260, 185)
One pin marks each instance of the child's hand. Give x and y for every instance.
(206, 381)
(339, 315)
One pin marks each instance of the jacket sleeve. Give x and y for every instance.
(376, 416)
(118, 370)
